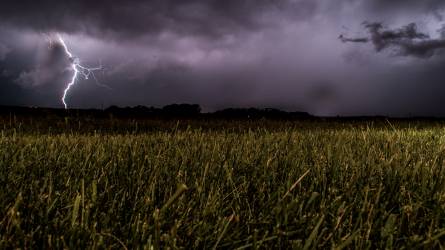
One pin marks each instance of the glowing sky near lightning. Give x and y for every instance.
(282, 54)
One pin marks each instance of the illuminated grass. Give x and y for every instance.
(348, 186)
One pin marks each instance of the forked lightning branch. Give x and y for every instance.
(78, 70)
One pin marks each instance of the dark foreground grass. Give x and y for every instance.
(303, 187)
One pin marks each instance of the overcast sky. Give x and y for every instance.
(342, 57)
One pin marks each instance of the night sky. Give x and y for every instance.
(326, 57)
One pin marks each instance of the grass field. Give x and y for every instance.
(214, 184)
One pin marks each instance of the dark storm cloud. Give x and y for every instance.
(384, 38)
(353, 40)
(128, 18)
(408, 41)
(424, 5)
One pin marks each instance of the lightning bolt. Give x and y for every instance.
(78, 69)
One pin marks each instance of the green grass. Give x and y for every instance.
(299, 185)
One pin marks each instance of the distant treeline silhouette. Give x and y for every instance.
(169, 111)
